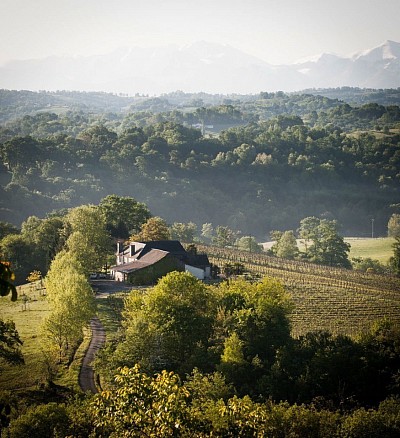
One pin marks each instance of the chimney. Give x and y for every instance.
(120, 247)
(132, 250)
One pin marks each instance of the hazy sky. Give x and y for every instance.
(278, 31)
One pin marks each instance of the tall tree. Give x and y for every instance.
(124, 215)
(71, 300)
(394, 225)
(89, 240)
(327, 246)
(395, 259)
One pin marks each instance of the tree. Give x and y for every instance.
(395, 259)
(286, 244)
(10, 343)
(71, 300)
(394, 225)
(168, 327)
(207, 231)
(21, 254)
(153, 229)
(327, 246)
(141, 405)
(7, 276)
(252, 324)
(183, 232)
(248, 243)
(46, 236)
(6, 228)
(224, 236)
(124, 215)
(89, 240)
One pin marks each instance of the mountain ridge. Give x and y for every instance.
(202, 66)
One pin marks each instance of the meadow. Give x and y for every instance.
(377, 249)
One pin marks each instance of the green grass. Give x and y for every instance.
(27, 322)
(377, 249)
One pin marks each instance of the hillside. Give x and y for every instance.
(337, 300)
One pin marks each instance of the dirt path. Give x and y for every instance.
(103, 289)
(86, 375)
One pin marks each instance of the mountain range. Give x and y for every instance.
(202, 66)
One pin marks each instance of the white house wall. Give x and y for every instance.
(197, 272)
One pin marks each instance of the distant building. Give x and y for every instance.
(143, 263)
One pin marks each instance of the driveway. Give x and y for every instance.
(103, 289)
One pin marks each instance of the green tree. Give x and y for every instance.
(207, 231)
(6, 228)
(89, 241)
(153, 229)
(223, 237)
(248, 243)
(394, 225)
(140, 405)
(395, 259)
(286, 244)
(21, 254)
(10, 343)
(183, 232)
(71, 300)
(168, 328)
(124, 215)
(327, 246)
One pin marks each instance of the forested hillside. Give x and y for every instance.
(253, 163)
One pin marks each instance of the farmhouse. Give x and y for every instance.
(143, 263)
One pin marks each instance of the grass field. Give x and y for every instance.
(27, 322)
(377, 249)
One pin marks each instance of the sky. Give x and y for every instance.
(277, 31)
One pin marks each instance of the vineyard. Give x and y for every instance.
(325, 298)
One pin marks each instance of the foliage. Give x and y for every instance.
(248, 243)
(71, 300)
(141, 406)
(394, 225)
(183, 232)
(88, 241)
(10, 343)
(395, 260)
(124, 215)
(6, 278)
(285, 244)
(40, 421)
(224, 236)
(153, 229)
(368, 265)
(327, 246)
(168, 328)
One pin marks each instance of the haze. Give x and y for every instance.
(277, 31)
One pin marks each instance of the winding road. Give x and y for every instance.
(103, 288)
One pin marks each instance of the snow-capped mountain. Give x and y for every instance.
(373, 68)
(202, 66)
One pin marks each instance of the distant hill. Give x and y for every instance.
(203, 66)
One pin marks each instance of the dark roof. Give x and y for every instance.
(172, 246)
(197, 260)
(152, 257)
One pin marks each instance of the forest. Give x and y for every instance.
(253, 163)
